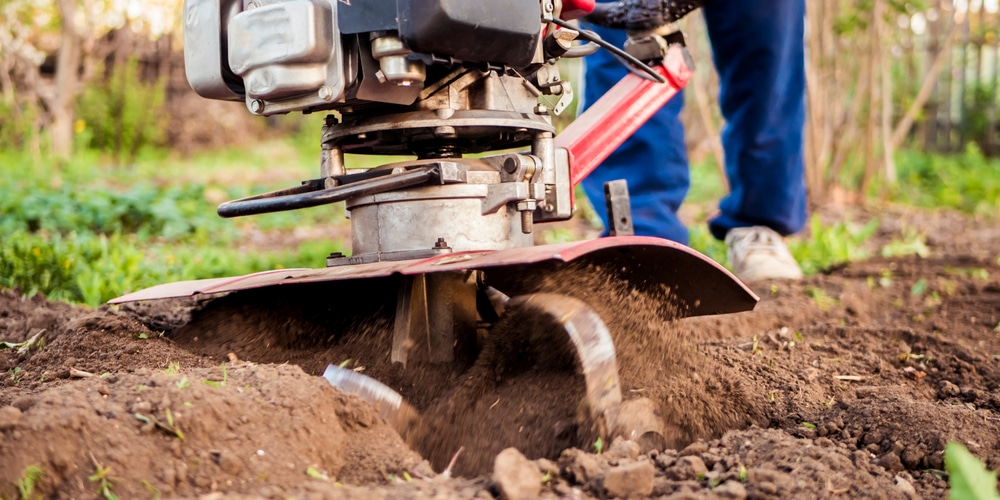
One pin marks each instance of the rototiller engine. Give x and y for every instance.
(451, 234)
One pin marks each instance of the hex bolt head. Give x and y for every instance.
(256, 106)
(325, 93)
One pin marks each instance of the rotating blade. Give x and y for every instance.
(592, 345)
(388, 403)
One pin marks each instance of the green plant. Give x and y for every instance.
(23, 347)
(831, 245)
(16, 374)
(30, 478)
(967, 477)
(102, 477)
(911, 243)
(154, 492)
(225, 378)
(169, 426)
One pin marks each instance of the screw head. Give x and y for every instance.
(257, 106)
(325, 93)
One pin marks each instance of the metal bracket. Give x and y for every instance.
(619, 208)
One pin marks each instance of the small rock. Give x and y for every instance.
(906, 487)
(579, 465)
(631, 480)
(516, 476)
(865, 391)
(144, 407)
(103, 390)
(547, 466)
(229, 462)
(912, 456)
(947, 389)
(891, 462)
(665, 461)
(824, 442)
(687, 468)
(731, 489)
(9, 417)
(623, 449)
(767, 488)
(695, 448)
(24, 403)
(424, 469)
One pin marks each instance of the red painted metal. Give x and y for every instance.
(619, 113)
(699, 283)
(574, 9)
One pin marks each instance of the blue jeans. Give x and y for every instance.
(759, 52)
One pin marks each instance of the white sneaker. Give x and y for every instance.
(758, 253)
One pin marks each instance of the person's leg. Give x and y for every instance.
(758, 48)
(653, 161)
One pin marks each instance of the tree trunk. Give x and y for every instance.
(67, 80)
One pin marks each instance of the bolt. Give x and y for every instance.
(335, 255)
(541, 109)
(253, 5)
(526, 222)
(256, 106)
(510, 165)
(441, 243)
(325, 93)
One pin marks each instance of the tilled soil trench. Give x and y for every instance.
(847, 384)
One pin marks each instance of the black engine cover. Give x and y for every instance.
(495, 31)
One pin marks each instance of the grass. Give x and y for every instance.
(85, 231)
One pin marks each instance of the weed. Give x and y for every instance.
(29, 479)
(154, 492)
(743, 474)
(16, 374)
(547, 478)
(183, 383)
(168, 426)
(172, 368)
(828, 246)
(599, 446)
(225, 377)
(809, 425)
(102, 478)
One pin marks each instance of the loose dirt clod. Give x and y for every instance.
(516, 477)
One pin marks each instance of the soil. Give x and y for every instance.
(846, 384)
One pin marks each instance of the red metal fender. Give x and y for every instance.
(699, 284)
